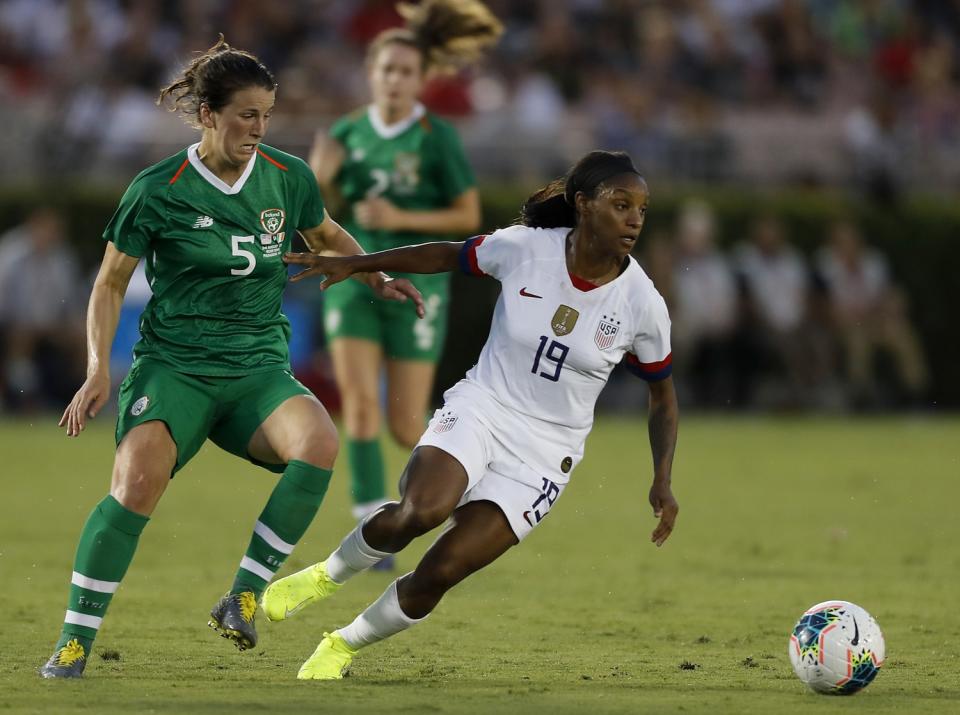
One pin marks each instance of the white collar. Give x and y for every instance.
(215, 180)
(389, 131)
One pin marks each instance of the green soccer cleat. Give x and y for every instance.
(68, 662)
(288, 595)
(329, 661)
(233, 616)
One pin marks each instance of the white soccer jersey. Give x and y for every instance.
(555, 339)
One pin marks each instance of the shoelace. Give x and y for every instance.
(70, 653)
(247, 604)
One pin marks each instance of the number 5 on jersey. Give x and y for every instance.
(236, 250)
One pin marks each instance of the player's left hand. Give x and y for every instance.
(376, 213)
(399, 289)
(665, 508)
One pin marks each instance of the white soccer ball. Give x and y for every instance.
(836, 647)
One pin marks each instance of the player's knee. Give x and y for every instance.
(317, 447)
(418, 519)
(139, 489)
(362, 417)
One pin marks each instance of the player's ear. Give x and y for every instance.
(582, 202)
(206, 116)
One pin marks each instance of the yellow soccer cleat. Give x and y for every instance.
(288, 595)
(329, 661)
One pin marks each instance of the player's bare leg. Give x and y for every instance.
(432, 485)
(141, 472)
(408, 383)
(478, 536)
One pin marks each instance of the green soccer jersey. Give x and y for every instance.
(213, 258)
(417, 164)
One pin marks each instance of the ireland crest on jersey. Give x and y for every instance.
(606, 332)
(272, 220)
(564, 320)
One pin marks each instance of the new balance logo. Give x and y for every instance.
(203, 222)
(526, 294)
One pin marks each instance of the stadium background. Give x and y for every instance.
(750, 119)
(808, 112)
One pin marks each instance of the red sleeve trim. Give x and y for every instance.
(271, 160)
(650, 371)
(176, 176)
(468, 256)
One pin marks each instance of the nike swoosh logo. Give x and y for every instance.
(287, 612)
(525, 294)
(856, 632)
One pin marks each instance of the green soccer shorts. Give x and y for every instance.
(352, 310)
(228, 410)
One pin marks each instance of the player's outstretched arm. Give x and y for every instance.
(330, 238)
(103, 313)
(664, 416)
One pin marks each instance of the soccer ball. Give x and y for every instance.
(836, 647)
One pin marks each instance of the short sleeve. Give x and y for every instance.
(650, 355)
(494, 254)
(456, 175)
(312, 210)
(138, 219)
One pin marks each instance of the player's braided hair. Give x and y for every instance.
(449, 34)
(212, 78)
(555, 204)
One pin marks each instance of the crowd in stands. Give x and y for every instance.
(868, 91)
(858, 94)
(761, 326)
(765, 326)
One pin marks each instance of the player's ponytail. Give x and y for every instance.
(555, 204)
(449, 34)
(212, 78)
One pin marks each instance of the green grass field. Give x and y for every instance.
(585, 616)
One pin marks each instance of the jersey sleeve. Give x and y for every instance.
(456, 175)
(312, 210)
(650, 355)
(138, 219)
(494, 254)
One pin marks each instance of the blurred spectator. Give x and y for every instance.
(704, 310)
(40, 308)
(779, 343)
(869, 316)
(689, 86)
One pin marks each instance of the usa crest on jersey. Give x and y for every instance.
(606, 333)
(445, 423)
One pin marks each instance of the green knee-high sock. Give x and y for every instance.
(285, 518)
(107, 544)
(367, 481)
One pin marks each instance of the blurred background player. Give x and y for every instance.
(39, 313)
(401, 175)
(211, 223)
(499, 453)
(869, 319)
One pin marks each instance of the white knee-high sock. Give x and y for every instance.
(353, 555)
(382, 619)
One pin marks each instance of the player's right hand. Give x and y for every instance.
(665, 508)
(333, 268)
(89, 400)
